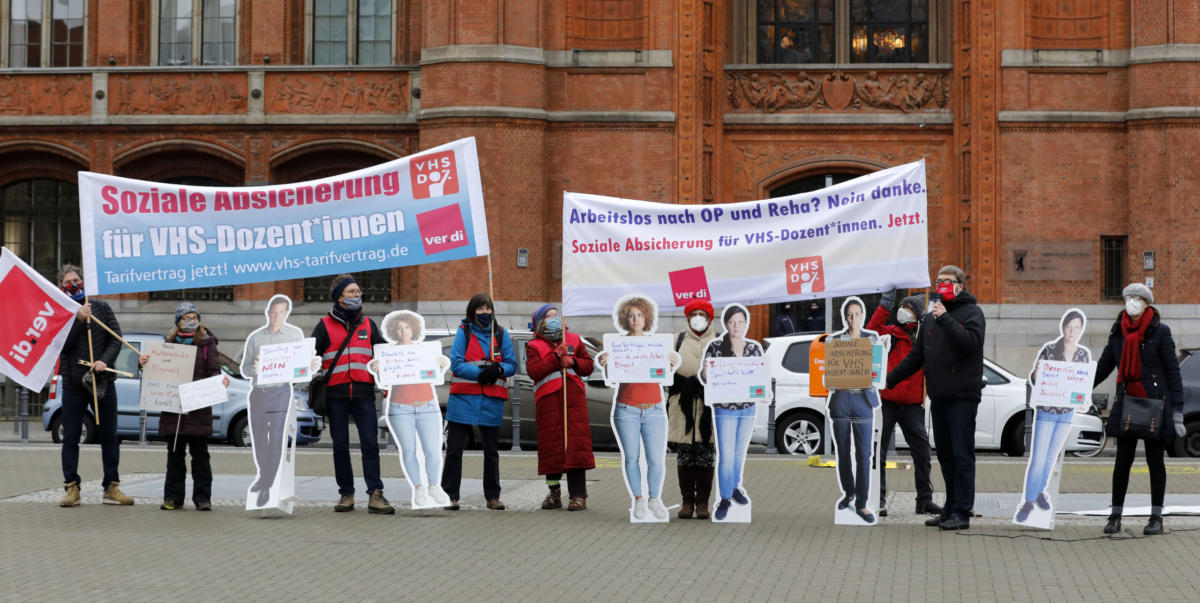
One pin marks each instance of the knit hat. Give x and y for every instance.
(699, 304)
(336, 294)
(1139, 290)
(185, 308)
(539, 314)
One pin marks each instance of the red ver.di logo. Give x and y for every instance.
(434, 175)
(688, 284)
(442, 229)
(805, 275)
(29, 321)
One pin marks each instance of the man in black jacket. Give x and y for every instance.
(76, 398)
(950, 349)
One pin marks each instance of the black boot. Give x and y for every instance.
(1154, 526)
(704, 480)
(687, 490)
(1114, 524)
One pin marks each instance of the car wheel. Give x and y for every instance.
(1096, 450)
(56, 430)
(1013, 442)
(802, 434)
(1189, 444)
(87, 434)
(239, 432)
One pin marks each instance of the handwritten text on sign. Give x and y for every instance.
(1064, 384)
(848, 363)
(169, 365)
(746, 379)
(644, 359)
(202, 394)
(286, 362)
(412, 363)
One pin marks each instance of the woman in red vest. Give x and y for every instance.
(553, 358)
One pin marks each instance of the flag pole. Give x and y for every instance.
(563, 373)
(118, 337)
(92, 361)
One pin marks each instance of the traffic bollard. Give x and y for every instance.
(771, 422)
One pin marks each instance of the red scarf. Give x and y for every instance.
(1129, 371)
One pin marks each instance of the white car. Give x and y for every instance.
(1000, 424)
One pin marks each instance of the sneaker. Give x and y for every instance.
(344, 503)
(739, 497)
(1043, 503)
(378, 504)
(639, 508)
(114, 496)
(170, 505)
(1024, 512)
(421, 496)
(204, 505)
(553, 500)
(722, 509)
(439, 495)
(71, 499)
(495, 504)
(578, 503)
(658, 509)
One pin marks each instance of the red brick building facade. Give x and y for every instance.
(1060, 137)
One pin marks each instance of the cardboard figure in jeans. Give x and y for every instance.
(854, 434)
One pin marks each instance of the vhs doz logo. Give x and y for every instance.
(805, 275)
(434, 175)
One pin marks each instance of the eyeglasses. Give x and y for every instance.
(947, 280)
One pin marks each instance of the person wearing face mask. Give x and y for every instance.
(102, 348)
(784, 323)
(1140, 348)
(555, 358)
(904, 405)
(949, 346)
(689, 420)
(351, 391)
(481, 360)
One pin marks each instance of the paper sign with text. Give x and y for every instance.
(411, 363)
(169, 365)
(286, 362)
(638, 359)
(848, 363)
(1064, 384)
(203, 393)
(745, 379)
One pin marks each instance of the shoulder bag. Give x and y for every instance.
(318, 388)
(1141, 418)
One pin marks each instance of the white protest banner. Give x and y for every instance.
(1063, 384)
(638, 359)
(34, 324)
(867, 234)
(410, 363)
(286, 362)
(195, 395)
(169, 365)
(743, 379)
(148, 236)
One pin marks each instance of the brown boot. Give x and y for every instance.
(378, 504)
(704, 479)
(687, 489)
(578, 503)
(114, 496)
(344, 503)
(553, 499)
(72, 497)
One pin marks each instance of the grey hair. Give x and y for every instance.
(67, 269)
(956, 271)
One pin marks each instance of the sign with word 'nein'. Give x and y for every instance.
(286, 362)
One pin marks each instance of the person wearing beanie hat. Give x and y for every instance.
(689, 420)
(1140, 348)
(555, 359)
(185, 308)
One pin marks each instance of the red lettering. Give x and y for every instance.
(110, 205)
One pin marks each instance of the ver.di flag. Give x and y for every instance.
(150, 236)
(34, 324)
(866, 234)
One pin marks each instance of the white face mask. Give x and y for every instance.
(905, 316)
(698, 323)
(1134, 306)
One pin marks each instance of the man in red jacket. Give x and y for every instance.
(903, 404)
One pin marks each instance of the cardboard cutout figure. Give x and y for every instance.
(409, 367)
(271, 412)
(855, 412)
(1052, 420)
(639, 363)
(736, 377)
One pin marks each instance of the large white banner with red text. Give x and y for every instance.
(34, 324)
(864, 235)
(150, 236)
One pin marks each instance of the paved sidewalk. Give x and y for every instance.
(792, 551)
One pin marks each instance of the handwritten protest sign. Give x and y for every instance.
(202, 394)
(286, 362)
(411, 363)
(644, 359)
(1063, 384)
(745, 379)
(848, 363)
(169, 365)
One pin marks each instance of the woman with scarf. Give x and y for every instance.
(1141, 350)
(351, 391)
(556, 358)
(688, 418)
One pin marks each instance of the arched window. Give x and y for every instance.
(41, 223)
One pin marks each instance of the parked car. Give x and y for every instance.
(1000, 424)
(230, 422)
(1189, 369)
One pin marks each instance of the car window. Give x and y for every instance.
(1189, 367)
(796, 357)
(992, 377)
(127, 361)
(229, 367)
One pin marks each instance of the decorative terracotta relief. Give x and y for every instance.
(177, 93)
(606, 24)
(1071, 25)
(327, 93)
(837, 91)
(46, 94)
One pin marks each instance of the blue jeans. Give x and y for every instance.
(733, 437)
(410, 423)
(636, 428)
(363, 411)
(851, 411)
(1049, 434)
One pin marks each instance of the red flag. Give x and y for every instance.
(34, 324)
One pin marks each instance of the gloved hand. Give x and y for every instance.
(562, 351)
(1180, 430)
(888, 301)
(489, 374)
(566, 361)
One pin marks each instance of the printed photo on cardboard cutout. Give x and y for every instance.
(736, 378)
(409, 368)
(855, 414)
(1051, 425)
(271, 412)
(639, 363)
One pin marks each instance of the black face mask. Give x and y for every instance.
(483, 320)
